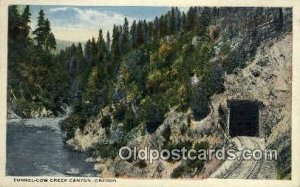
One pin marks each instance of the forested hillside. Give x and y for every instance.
(37, 81)
(121, 86)
(146, 69)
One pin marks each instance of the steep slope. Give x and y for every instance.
(268, 78)
(258, 69)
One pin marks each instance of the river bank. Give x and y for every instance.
(35, 147)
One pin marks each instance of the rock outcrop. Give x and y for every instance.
(268, 78)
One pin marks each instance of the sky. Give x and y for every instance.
(80, 23)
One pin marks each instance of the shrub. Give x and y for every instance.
(71, 123)
(171, 146)
(152, 115)
(199, 103)
(107, 151)
(166, 133)
(23, 107)
(198, 163)
(141, 164)
(119, 113)
(178, 172)
(130, 120)
(165, 49)
(154, 81)
(105, 121)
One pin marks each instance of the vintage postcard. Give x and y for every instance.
(162, 93)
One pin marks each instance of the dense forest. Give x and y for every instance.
(145, 70)
(142, 69)
(36, 77)
(132, 77)
(139, 71)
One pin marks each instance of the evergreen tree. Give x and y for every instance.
(151, 32)
(24, 25)
(133, 38)
(115, 46)
(88, 50)
(44, 38)
(163, 25)
(13, 21)
(191, 18)
(108, 41)
(79, 52)
(139, 33)
(156, 28)
(79, 57)
(121, 35)
(94, 50)
(101, 47)
(184, 22)
(51, 42)
(125, 38)
(204, 21)
(40, 37)
(172, 21)
(177, 19)
(47, 27)
(279, 20)
(215, 14)
(145, 32)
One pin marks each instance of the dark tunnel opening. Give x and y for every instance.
(243, 118)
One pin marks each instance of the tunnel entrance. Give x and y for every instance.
(243, 118)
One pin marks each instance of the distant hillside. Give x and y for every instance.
(63, 44)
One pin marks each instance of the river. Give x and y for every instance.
(35, 148)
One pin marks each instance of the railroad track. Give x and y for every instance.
(240, 170)
(239, 163)
(257, 163)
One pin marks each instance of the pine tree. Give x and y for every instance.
(51, 43)
(115, 46)
(13, 21)
(204, 21)
(88, 50)
(24, 25)
(44, 38)
(279, 20)
(101, 46)
(163, 26)
(125, 38)
(184, 22)
(108, 41)
(133, 38)
(139, 33)
(215, 13)
(177, 19)
(172, 21)
(145, 32)
(120, 30)
(191, 18)
(79, 52)
(94, 51)
(156, 28)
(151, 30)
(40, 37)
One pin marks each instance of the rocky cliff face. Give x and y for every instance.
(246, 28)
(267, 78)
